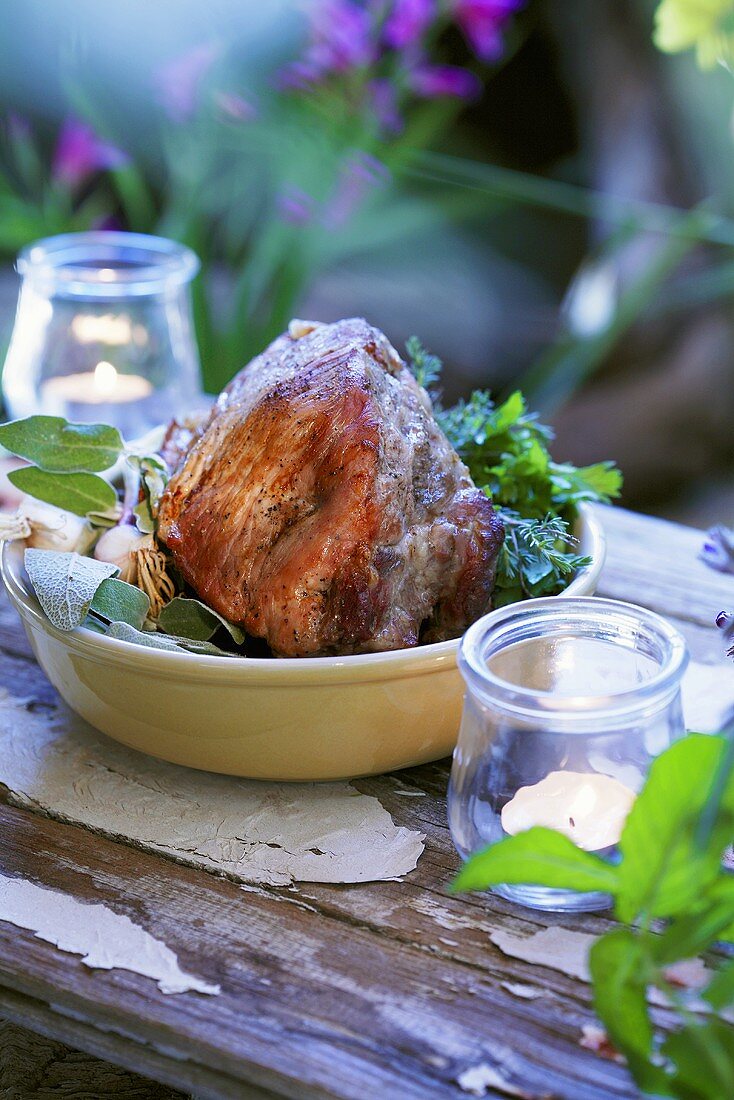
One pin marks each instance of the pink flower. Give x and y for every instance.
(482, 22)
(407, 22)
(434, 81)
(80, 153)
(178, 81)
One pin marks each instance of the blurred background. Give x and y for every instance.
(540, 189)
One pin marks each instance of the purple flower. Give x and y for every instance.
(434, 81)
(178, 81)
(360, 175)
(295, 206)
(235, 107)
(342, 38)
(482, 22)
(384, 100)
(79, 153)
(407, 22)
(718, 549)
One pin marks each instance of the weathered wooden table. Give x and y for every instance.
(392, 989)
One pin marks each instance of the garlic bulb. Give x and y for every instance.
(45, 527)
(118, 544)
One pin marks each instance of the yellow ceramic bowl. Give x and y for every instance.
(293, 719)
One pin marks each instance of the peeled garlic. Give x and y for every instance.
(118, 546)
(45, 527)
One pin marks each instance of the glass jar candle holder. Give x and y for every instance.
(568, 700)
(103, 331)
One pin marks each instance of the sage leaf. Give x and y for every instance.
(125, 633)
(153, 478)
(77, 493)
(65, 583)
(118, 601)
(664, 871)
(620, 977)
(538, 855)
(58, 446)
(190, 618)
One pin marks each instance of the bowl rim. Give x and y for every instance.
(293, 670)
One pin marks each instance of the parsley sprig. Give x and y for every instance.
(506, 450)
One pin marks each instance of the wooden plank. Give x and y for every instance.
(312, 1005)
(655, 563)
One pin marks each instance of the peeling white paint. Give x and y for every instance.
(559, 948)
(106, 940)
(524, 992)
(477, 1079)
(271, 833)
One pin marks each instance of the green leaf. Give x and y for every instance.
(118, 601)
(58, 446)
(720, 991)
(65, 584)
(710, 918)
(77, 493)
(619, 973)
(601, 482)
(190, 618)
(663, 872)
(703, 1055)
(125, 633)
(539, 856)
(153, 479)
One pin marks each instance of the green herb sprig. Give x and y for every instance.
(670, 871)
(506, 450)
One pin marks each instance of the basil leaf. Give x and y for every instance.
(692, 932)
(118, 601)
(125, 633)
(77, 493)
(541, 856)
(703, 1055)
(56, 445)
(191, 618)
(720, 991)
(619, 973)
(65, 583)
(663, 870)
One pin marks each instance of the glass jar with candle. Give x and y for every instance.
(103, 331)
(568, 700)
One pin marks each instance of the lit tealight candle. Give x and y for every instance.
(589, 808)
(104, 385)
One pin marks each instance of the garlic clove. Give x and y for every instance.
(117, 545)
(51, 528)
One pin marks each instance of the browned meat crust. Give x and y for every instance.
(323, 509)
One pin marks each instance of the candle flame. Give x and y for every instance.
(105, 379)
